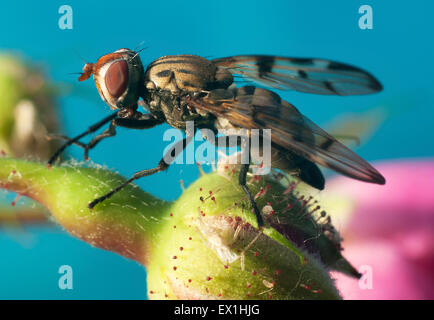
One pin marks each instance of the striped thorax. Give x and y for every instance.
(187, 73)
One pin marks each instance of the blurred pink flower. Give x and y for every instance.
(387, 230)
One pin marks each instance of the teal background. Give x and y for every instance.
(398, 51)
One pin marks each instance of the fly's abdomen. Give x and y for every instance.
(188, 73)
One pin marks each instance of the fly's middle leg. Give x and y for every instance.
(143, 173)
(172, 153)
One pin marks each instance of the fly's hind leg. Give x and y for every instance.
(242, 181)
(242, 178)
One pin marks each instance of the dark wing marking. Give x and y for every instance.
(309, 75)
(261, 108)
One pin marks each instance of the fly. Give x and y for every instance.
(180, 88)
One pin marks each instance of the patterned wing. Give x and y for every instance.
(308, 75)
(256, 108)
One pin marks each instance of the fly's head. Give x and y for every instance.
(118, 77)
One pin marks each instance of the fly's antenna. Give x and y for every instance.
(79, 55)
(69, 73)
(87, 69)
(140, 44)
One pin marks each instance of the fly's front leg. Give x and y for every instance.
(141, 121)
(109, 132)
(144, 121)
(164, 163)
(75, 140)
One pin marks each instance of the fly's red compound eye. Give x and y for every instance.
(116, 78)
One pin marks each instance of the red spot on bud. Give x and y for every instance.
(254, 273)
(208, 278)
(249, 285)
(174, 227)
(278, 272)
(13, 203)
(174, 268)
(189, 280)
(226, 266)
(151, 292)
(175, 257)
(270, 296)
(305, 286)
(256, 253)
(171, 214)
(190, 238)
(181, 248)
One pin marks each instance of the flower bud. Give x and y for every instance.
(206, 244)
